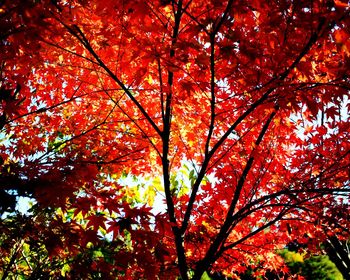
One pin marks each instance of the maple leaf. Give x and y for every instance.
(114, 227)
(96, 221)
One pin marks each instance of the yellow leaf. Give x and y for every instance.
(79, 216)
(149, 79)
(149, 195)
(65, 269)
(157, 184)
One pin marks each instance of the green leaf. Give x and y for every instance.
(191, 174)
(205, 276)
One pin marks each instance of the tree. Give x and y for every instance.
(313, 267)
(234, 112)
(320, 267)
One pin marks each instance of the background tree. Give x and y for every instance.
(311, 267)
(320, 267)
(235, 113)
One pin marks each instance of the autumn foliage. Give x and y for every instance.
(164, 139)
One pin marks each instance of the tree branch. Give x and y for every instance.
(80, 36)
(224, 231)
(252, 107)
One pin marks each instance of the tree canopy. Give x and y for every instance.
(165, 139)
